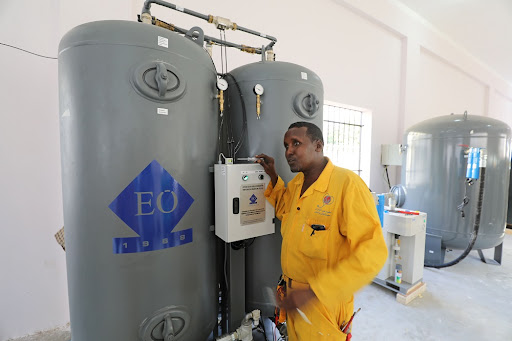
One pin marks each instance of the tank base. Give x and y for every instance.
(435, 252)
(498, 253)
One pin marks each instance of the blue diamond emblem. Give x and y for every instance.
(152, 205)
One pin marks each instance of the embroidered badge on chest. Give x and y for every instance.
(326, 201)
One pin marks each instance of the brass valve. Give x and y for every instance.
(220, 96)
(248, 49)
(258, 90)
(258, 106)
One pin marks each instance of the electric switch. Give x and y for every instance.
(236, 205)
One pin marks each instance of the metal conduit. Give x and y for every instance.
(147, 9)
(175, 28)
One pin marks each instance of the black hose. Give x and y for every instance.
(474, 234)
(244, 116)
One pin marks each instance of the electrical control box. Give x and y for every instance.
(241, 209)
(391, 155)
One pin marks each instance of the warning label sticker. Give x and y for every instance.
(252, 204)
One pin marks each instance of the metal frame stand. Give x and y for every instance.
(498, 253)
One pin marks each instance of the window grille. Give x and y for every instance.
(343, 136)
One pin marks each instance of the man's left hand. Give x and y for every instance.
(296, 299)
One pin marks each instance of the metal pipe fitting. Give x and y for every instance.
(219, 22)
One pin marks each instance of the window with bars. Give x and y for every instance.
(346, 137)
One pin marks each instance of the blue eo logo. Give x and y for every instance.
(152, 205)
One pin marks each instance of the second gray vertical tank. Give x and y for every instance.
(434, 176)
(291, 93)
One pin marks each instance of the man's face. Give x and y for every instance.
(300, 151)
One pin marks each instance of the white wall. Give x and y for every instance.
(33, 291)
(500, 106)
(372, 54)
(33, 286)
(446, 89)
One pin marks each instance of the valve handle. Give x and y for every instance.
(161, 78)
(168, 328)
(311, 103)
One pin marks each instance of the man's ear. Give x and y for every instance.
(319, 146)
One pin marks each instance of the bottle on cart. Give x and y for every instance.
(398, 273)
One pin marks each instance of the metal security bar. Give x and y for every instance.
(342, 136)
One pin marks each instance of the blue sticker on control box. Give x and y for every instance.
(152, 205)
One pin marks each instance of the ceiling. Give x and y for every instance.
(482, 27)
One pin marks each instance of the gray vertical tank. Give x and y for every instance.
(291, 93)
(434, 174)
(137, 112)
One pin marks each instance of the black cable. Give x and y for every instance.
(242, 244)
(230, 138)
(262, 324)
(387, 175)
(35, 54)
(465, 200)
(228, 128)
(225, 268)
(244, 113)
(221, 54)
(236, 245)
(226, 51)
(226, 131)
(247, 244)
(219, 151)
(474, 234)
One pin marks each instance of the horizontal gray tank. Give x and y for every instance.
(434, 174)
(291, 93)
(137, 110)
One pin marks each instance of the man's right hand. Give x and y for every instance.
(267, 163)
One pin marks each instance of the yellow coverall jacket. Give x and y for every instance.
(335, 262)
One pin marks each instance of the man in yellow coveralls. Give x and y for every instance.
(332, 238)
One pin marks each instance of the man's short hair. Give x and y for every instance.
(312, 130)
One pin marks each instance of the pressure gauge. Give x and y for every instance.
(222, 84)
(258, 89)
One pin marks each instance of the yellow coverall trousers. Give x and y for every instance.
(325, 324)
(332, 243)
